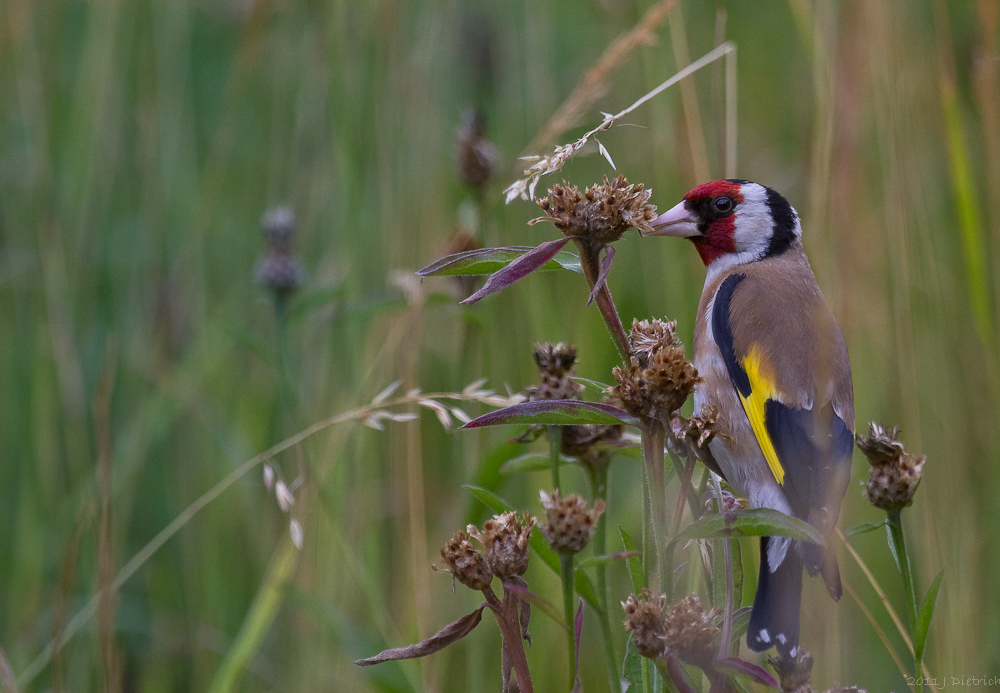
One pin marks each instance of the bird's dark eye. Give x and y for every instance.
(723, 205)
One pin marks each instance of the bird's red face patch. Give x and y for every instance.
(718, 228)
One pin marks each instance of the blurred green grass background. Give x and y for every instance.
(140, 142)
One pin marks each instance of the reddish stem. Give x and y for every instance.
(590, 260)
(510, 631)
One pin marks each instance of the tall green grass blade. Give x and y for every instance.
(924, 617)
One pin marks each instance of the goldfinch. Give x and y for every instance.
(775, 364)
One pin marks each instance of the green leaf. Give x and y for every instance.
(755, 522)
(863, 528)
(606, 558)
(924, 617)
(490, 260)
(741, 621)
(584, 585)
(554, 411)
(891, 539)
(634, 563)
(531, 462)
(632, 666)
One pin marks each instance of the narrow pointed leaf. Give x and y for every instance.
(892, 545)
(554, 412)
(540, 603)
(740, 667)
(864, 528)
(606, 558)
(519, 269)
(584, 585)
(490, 260)
(602, 275)
(577, 635)
(754, 522)
(741, 621)
(634, 562)
(531, 462)
(924, 617)
(594, 385)
(446, 636)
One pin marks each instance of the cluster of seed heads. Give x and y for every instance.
(658, 379)
(602, 214)
(476, 156)
(683, 628)
(555, 365)
(279, 270)
(895, 473)
(506, 540)
(795, 674)
(700, 429)
(465, 563)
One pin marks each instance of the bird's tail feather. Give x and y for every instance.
(823, 559)
(774, 620)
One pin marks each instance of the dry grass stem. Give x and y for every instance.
(525, 187)
(593, 85)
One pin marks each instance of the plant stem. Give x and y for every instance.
(510, 631)
(895, 525)
(555, 447)
(652, 453)
(591, 263)
(569, 595)
(725, 644)
(598, 473)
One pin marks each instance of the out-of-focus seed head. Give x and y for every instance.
(506, 540)
(476, 155)
(279, 270)
(794, 673)
(645, 620)
(730, 503)
(895, 473)
(657, 380)
(699, 430)
(569, 523)
(465, 563)
(579, 440)
(555, 364)
(602, 214)
(690, 631)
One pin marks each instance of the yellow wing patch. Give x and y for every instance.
(761, 389)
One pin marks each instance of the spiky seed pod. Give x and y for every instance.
(506, 540)
(690, 631)
(602, 214)
(476, 155)
(794, 673)
(700, 429)
(465, 563)
(644, 618)
(279, 270)
(657, 380)
(569, 523)
(895, 473)
(555, 363)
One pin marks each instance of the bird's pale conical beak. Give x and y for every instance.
(676, 221)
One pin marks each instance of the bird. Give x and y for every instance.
(774, 362)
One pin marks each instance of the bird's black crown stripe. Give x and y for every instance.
(724, 335)
(783, 231)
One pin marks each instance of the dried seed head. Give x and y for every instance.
(602, 214)
(569, 524)
(895, 473)
(700, 430)
(691, 632)
(555, 364)
(657, 380)
(465, 563)
(794, 673)
(506, 540)
(476, 155)
(730, 503)
(644, 618)
(279, 270)
(578, 440)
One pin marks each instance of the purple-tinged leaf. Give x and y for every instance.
(677, 675)
(451, 633)
(741, 667)
(555, 412)
(602, 275)
(605, 558)
(490, 260)
(540, 603)
(519, 269)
